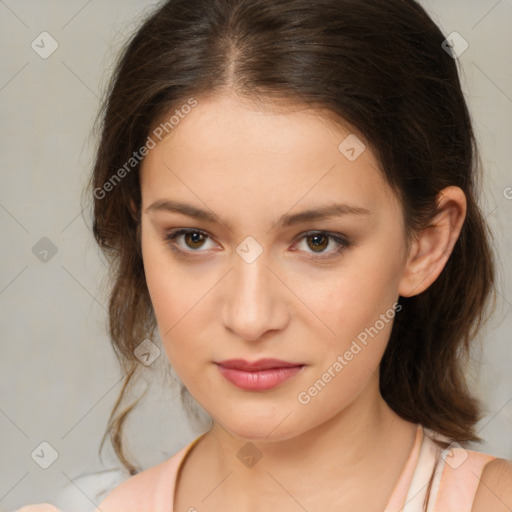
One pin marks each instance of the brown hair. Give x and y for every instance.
(379, 66)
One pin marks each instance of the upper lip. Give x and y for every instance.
(260, 364)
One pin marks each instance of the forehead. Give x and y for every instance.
(229, 151)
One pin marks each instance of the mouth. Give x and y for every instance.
(258, 375)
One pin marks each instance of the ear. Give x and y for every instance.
(432, 247)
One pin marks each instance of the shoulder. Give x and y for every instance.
(494, 491)
(147, 490)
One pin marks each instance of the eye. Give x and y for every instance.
(193, 238)
(318, 241)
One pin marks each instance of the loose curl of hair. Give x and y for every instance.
(379, 66)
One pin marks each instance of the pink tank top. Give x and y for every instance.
(456, 478)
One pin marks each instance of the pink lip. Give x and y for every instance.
(258, 375)
(260, 364)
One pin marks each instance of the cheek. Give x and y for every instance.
(171, 293)
(364, 288)
(162, 289)
(362, 320)
(359, 307)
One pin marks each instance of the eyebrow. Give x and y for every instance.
(322, 212)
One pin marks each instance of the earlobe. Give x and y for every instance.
(432, 247)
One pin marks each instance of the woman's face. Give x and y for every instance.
(256, 277)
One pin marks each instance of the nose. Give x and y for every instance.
(255, 302)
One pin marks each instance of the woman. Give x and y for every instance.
(286, 189)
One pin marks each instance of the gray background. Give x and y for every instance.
(59, 376)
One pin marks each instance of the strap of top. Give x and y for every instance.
(397, 500)
(456, 478)
(457, 473)
(460, 471)
(419, 487)
(152, 490)
(180, 459)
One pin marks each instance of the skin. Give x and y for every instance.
(248, 166)
(235, 159)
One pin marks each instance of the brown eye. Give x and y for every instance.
(187, 240)
(321, 245)
(318, 242)
(194, 239)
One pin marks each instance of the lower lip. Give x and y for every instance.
(259, 380)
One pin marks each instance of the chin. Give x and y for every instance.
(254, 428)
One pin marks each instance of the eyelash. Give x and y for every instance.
(344, 244)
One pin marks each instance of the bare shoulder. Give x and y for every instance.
(495, 489)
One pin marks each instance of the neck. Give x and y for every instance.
(359, 444)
